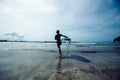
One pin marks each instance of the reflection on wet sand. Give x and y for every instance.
(58, 75)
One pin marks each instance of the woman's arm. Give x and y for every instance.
(64, 36)
(55, 37)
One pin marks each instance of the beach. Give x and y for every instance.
(41, 61)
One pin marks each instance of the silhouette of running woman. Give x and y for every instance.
(58, 39)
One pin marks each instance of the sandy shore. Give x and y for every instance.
(44, 64)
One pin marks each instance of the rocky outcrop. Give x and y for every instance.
(117, 39)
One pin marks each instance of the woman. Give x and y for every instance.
(58, 39)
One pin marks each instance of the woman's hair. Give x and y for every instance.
(58, 31)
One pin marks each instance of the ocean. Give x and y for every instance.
(48, 46)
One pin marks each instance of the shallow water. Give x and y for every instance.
(40, 61)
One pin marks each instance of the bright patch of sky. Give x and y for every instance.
(81, 20)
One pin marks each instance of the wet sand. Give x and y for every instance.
(44, 63)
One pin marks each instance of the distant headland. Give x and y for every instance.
(35, 41)
(3, 40)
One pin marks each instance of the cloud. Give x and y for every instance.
(13, 36)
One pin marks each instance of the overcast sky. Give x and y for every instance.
(81, 20)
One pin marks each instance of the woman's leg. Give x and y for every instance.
(59, 44)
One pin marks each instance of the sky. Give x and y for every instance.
(81, 20)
